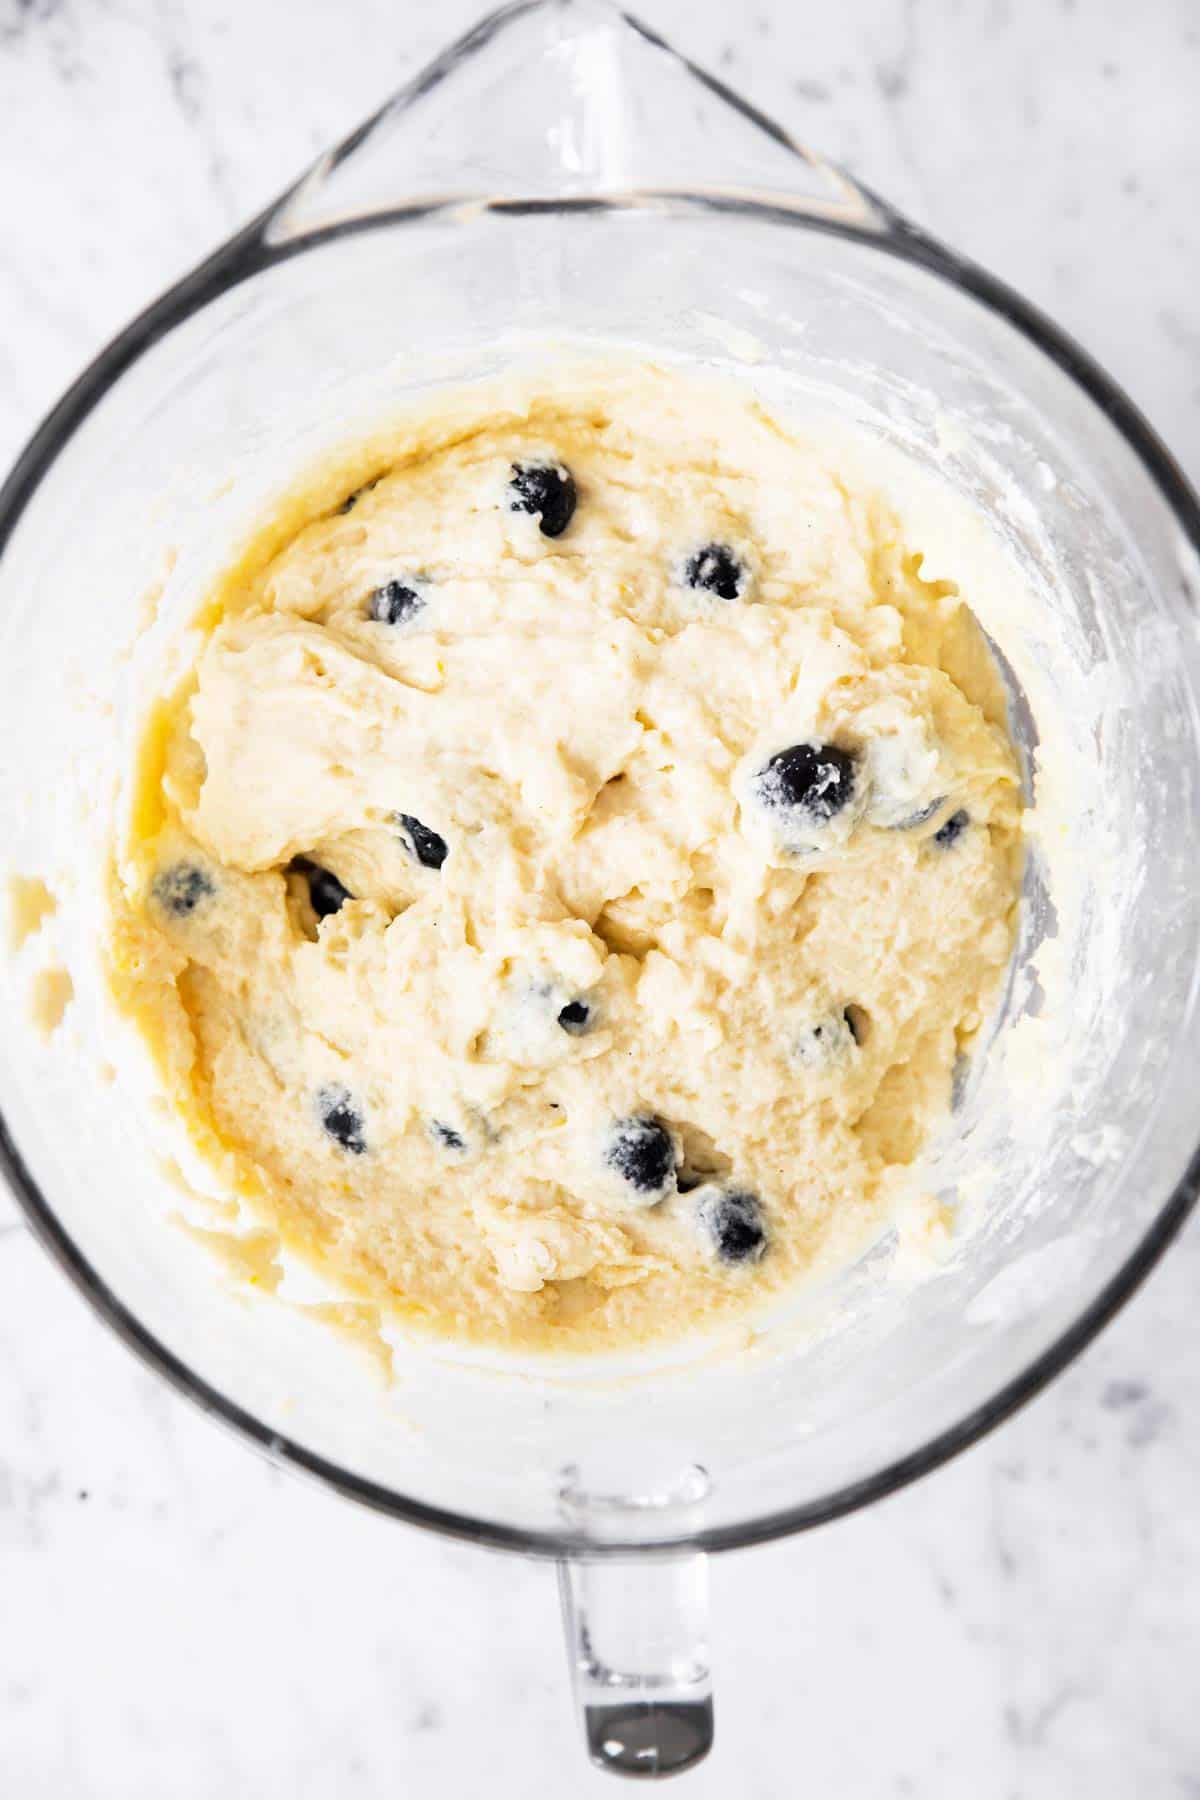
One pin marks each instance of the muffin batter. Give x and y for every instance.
(562, 893)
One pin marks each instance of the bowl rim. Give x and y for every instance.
(248, 253)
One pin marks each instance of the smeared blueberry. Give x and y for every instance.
(641, 1151)
(732, 1221)
(446, 1136)
(717, 570)
(921, 817)
(352, 500)
(180, 890)
(952, 830)
(429, 849)
(342, 1119)
(828, 1040)
(395, 603)
(575, 1017)
(326, 895)
(546, 489)
(814, 780)
(960, 1080)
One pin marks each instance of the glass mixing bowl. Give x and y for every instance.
(560, 172)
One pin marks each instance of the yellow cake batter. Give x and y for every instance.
(562, 892)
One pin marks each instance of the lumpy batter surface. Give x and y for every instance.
(562, 893)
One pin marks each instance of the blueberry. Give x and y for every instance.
(546, 489)
(395, 603)
(717, 570)
(641, 1151)
(732, 1221)
(815, 780)
(341, 1119)
(429, 849)
(575, 1017)
(952, 830)
(326, 894)
(446, 1136)
(181, 889)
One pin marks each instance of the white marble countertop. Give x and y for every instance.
(1024, 1623)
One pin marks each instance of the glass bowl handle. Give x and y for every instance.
(636, 1622)
(637, 1644)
